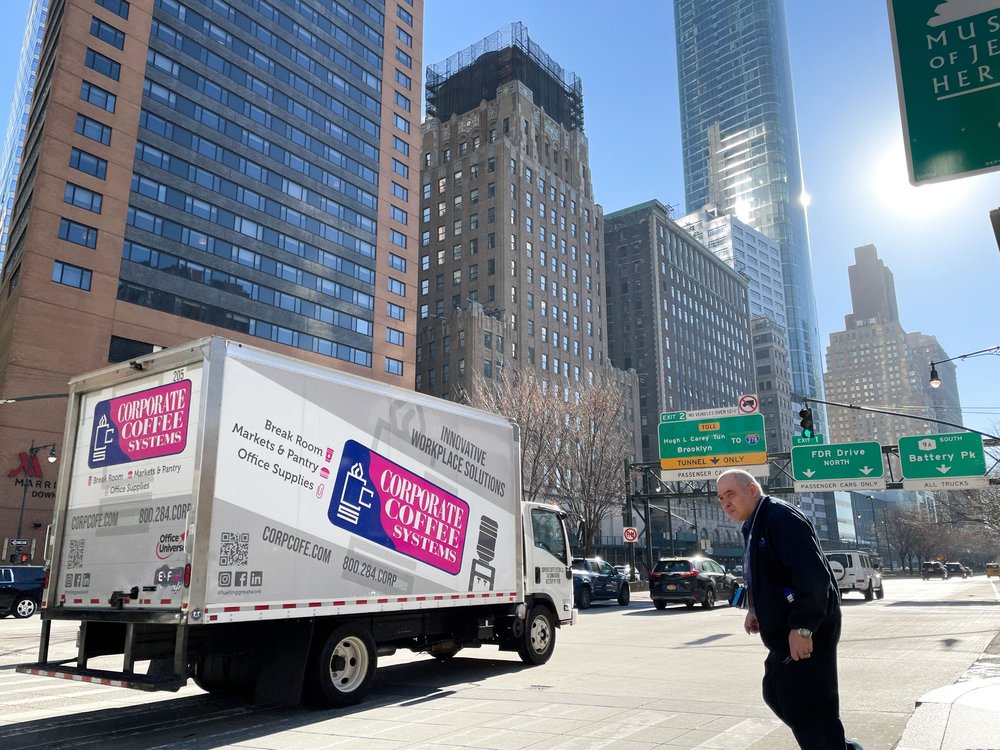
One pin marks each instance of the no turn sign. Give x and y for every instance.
(630, 533)
(749, 404)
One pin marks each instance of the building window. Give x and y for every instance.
(404, 36)
(64, 273)
(403, 80)
(397, 262)
(107, 33)
(93, 129)
(103, 65)
(82, 198)
(118, 7)
(98, 97)
(394, 336)
(88, 163)
(404, 58)
(396, 286)
(396, 312)
(79, 234)
(393, 366)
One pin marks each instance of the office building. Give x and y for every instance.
(677, 315)
(874, 361)
(740, 146)
(246, 169)
(17, 121)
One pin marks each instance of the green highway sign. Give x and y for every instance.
(838, 466)
(946, 75)
(816, 439)
(714, 443)
(943, 462)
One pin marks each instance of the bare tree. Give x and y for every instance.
(540, 416)
(599, 443)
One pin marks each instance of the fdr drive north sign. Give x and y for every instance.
(838, 466)
(714, 443)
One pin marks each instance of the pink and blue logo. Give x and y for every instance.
(142, 425)
(386, 504)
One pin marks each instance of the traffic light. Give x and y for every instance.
(806, 423)
(20, 558)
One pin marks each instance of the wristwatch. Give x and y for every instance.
(805, 632)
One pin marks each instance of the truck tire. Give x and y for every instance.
(869, 592)
(539, 639)
(225, 674)
(585, 598)
(24, 608)
(345, 670)
(624, 595)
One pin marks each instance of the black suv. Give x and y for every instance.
(933, 569)
(692, 580)
(20, 589)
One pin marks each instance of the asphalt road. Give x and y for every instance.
(630, 677)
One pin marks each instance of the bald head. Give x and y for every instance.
(738, 492)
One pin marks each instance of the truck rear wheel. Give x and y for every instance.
(539, 638)
(346, 668)
(222, 674)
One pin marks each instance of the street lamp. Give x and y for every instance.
(33, 451)
(935, 380)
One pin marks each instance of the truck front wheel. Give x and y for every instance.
(539, 638)
(346, 667)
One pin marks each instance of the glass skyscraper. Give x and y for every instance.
(17, 122)
(741, 148)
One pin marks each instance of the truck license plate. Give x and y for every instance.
(671, 586)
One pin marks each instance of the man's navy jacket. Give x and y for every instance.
(791, 583)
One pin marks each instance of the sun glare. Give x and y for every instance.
(892, 188)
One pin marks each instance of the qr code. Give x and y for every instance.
(235, 549)
(75, 557)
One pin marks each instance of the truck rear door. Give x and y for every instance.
(131, 493)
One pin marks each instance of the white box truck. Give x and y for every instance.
(265, 525)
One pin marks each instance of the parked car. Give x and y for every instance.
(593, 578)
(691, 580)
(956, 569)
(857, 571)
(993, 569)
(933, 569)
(21, 589)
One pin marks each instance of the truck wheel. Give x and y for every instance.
(624, 595)
(222, 674)
(346, 667)
(585, 597)
(869, 592)
(880, 592)
(660, 603)
(539, 639)
(24, 608)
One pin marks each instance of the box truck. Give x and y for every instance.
(262, 524)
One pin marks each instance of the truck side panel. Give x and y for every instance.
(131, 493)
(335, 494)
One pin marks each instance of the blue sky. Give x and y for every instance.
(936, 239)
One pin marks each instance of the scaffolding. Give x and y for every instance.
(465, 79)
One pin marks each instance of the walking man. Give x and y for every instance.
(794, 605)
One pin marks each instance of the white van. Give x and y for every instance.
(856, 571)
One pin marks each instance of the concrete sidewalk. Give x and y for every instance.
(963, 716)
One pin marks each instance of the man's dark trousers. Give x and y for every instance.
(803, 693)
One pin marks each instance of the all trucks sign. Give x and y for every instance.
(953, 461)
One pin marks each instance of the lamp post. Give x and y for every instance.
(935, 379)
(33, 451)
(874, 524)
(888, 547)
